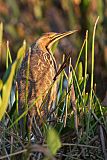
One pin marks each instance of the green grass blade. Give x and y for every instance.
(85, 76)
(6, 90)
(92, 62)
(21, 54)
(78, 88)
(8, 56)
(1, 37)
(80, 54)
(27, 77)
(80, 72)
(1, 84)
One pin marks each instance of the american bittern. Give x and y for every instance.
(42, 71)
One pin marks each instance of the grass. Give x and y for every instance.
(80, 125)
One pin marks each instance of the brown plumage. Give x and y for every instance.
(42, 71)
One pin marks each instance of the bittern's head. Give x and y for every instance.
(48, 40)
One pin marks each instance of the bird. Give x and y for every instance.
(42, 70)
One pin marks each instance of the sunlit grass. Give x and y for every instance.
(78, 114)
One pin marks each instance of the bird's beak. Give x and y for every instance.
(62, 35)
(59, 36)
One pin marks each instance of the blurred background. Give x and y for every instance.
(29, 19)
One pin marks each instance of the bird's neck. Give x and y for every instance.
(45, 50)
